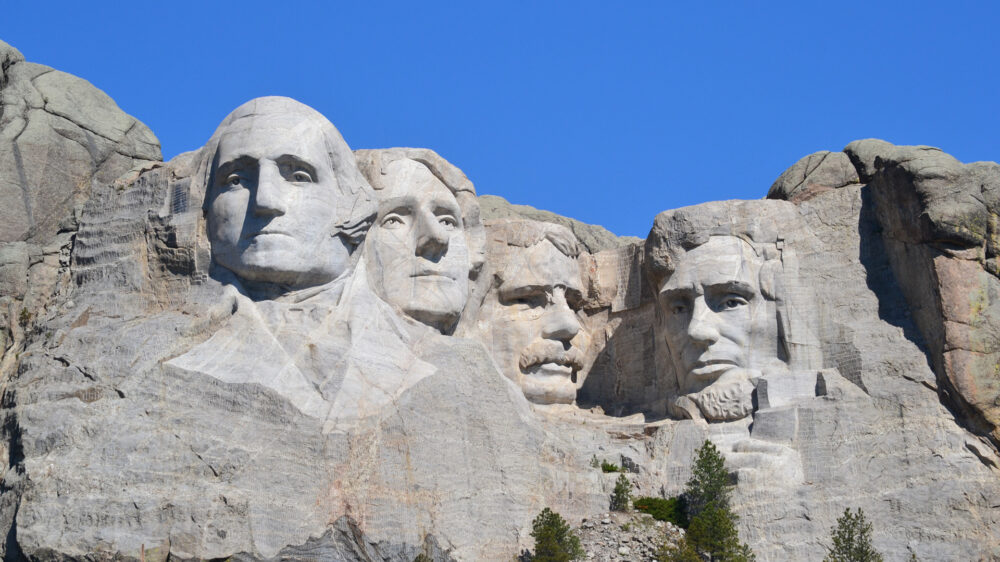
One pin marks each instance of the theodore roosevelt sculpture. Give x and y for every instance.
(427, 240)
(528, 317)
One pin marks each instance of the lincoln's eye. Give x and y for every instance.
(733, 301)
(233, 180)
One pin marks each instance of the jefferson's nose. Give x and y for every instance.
(432, 238)
(560, 321)
(703, 325)
(269, 199)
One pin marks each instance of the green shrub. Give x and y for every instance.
(554, 540)
(609, 466)
(24, 318)
(664, 509)
(622, 495)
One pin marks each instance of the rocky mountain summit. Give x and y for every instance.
(277, 347)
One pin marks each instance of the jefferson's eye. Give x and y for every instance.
(392, 221)
(301, 176)
(448, 222)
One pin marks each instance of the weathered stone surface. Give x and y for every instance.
(593, 237)
(188, 393)
(58, 136)
(813, 175)
(939, 227)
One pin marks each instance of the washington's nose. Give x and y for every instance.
(702, 328)
(560, 322)
(432, 238)
(269, 196)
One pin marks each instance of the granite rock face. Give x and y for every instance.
(938, 222)
(276, 347)
(59, 137)
(593, 237)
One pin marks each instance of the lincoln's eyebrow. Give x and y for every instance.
(676, 292)
(733, 286)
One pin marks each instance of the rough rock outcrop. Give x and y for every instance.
(187, 392)
(938, 222)
(59, 137)
(593, 237)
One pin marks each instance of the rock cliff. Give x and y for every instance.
(217, 360)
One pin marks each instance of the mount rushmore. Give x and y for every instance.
(277, 347)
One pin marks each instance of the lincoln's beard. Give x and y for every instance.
(727, 399)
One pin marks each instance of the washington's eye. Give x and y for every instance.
(301, 176)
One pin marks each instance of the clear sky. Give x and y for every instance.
(608, 112)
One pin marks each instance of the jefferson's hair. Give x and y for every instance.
(373, 163)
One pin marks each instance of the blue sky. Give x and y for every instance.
(606, 112)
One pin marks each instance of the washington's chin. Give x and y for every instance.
(279, 266)
(549, 383)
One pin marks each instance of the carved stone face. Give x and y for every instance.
(716, 317)
(534, 323)
(272, 203)
(418, 251)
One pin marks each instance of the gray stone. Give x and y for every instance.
(939, 230)
(813, 175)
(172, 398)
(593, 237)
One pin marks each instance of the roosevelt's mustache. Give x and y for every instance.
(548, 351)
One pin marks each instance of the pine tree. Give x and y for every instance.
(709, 482)
(712, 531)
(554, 541)
(622, 494)
(852, 540)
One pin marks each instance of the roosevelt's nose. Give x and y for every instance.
(269, 197)
(560, 321)
(703, 327)
(432, 237)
